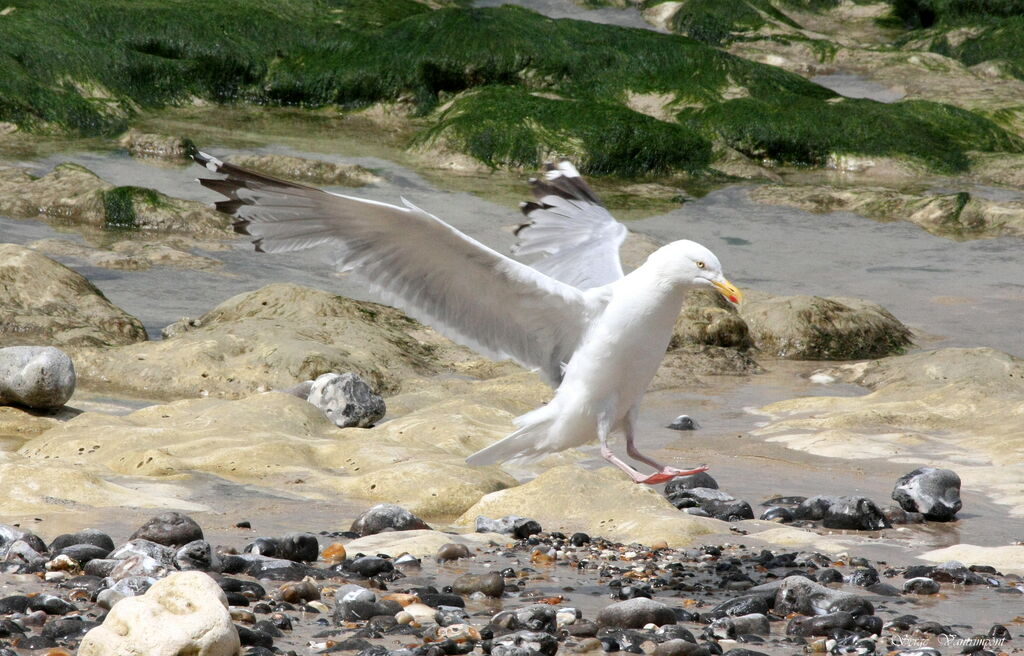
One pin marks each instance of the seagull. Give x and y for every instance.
(595, 334)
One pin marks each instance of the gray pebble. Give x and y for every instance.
(41, 377)
(635, 614)
(931, 491)
(347, 400)
(384, 517)
(491, 584)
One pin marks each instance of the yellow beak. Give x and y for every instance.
(728, 290)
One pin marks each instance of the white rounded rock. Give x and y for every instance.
(185, 613)
(41, 377)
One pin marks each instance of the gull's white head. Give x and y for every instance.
(688, 263)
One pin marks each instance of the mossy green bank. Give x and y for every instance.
(507, 86)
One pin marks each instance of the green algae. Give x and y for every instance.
(520, 85)
(715, 22)
(505, 127)
(807, 131)
(119, 206)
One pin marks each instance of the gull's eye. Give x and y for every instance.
(700, 265)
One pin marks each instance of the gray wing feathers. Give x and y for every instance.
(577, 236)
(418, 263)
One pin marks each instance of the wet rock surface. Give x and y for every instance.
(347, 400)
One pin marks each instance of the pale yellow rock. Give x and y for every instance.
(55, 488)
(18, 423)
(185, 613)
(599, 502)
(274, 439)
(46, 303)
(797, 538)
(421, 543)
(271, 338)
(1007, 559)
(961, 409)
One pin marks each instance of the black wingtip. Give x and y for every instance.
(258, 245)
(241, 226)
(522, 226)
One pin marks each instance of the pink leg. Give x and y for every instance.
(666, 473)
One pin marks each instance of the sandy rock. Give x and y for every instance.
(308, 171)
(421, 543)
(1009, 558)
(45, 302)
(24, 424)
(274, 337)
(157, 146)
(815, 328)
(945, 408)
(957, 215)
(347, 400)
(183, 613)
(275, 439)
(127, 255)
(41, 377)
(605, 503)
(73, 194)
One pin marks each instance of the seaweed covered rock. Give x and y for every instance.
(708, 318)
(815, 328)
(73, 194)
(45, 302)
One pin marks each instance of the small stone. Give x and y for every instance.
(197, 555)
(386, 516)
(931, 491)
(172, 529)
(778, 514)
(299, 591)
(701, 479)
(635, 613)
(921, 586)
(813, 508)
(820, 625)
(453, 551)
(733, 627)
(368, 566)
(85, 536)
(504, 524)
(528, 642)
(854, 513)
(355, 611)
(346, 400)
(83, 553)
(300, 547)
(676, 647)
(683, 423)
(798, 594)
(51, 604)
(334, 552)
(492, 584)
(523, 528)
(40, 377)
(737, 606)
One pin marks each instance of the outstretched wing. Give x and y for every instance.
(417, 262)
(580, 240)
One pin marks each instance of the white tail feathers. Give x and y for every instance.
(527, 442)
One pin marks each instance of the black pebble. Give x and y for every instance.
(256, 638)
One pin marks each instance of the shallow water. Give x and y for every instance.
(952, 293)
(852, 85)
(627, 17)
